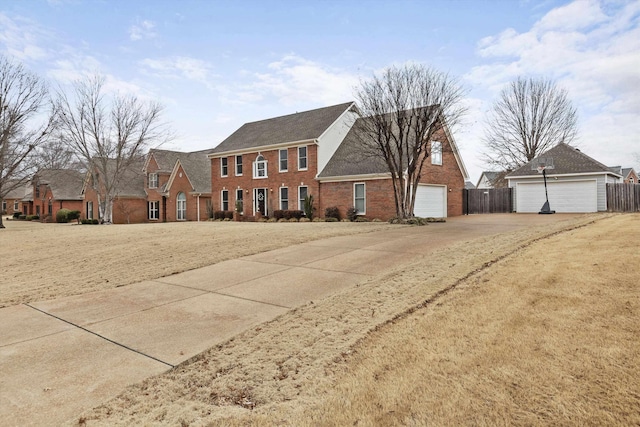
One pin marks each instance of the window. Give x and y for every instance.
(16, 207)
(38, 210)
(239, 165)
(224, 197)
(4, 206)
(154, 210)
(283, 155)
(302, 158)
(153, 180)
(50, 210)
(37, 191)
(239, 196)
(302, 194)
(224, 166)
(436, 152)
(181, 207)
(631, 181)
(359, 199)
(89, 210)
(260, 167)
(284, 198)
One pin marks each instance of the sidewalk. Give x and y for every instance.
(61, 357)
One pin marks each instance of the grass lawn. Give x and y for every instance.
(532, 327)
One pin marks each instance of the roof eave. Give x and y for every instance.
(262, 148)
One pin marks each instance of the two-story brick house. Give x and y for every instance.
(273, 164)
(177, 185)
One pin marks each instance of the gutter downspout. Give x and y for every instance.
(198, 207)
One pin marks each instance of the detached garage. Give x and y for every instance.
(576, 184)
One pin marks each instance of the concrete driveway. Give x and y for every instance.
(61, 357)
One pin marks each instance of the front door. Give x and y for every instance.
(260, 201)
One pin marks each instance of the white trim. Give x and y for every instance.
(551, 175)
(439, 151)
(222, 167)
(300, 199)
(306, 157)
(259, 148)
(366, 177)
(222, 192)
(364, 211)
(280, 197)
(178, 206)
(454, 148)
(235, 165)
(172, 177)
(149, 180)
(346, 111)
(255, 200)
(280, 150)
(254, 167)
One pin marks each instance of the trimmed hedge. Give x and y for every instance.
(332, 212)
(288, 214)
(223, 215)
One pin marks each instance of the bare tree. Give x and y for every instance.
(24, 124)
(108, 135)
(56, 154)
(403, 109)
(531, 116)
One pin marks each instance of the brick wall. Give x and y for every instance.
(379, 198)
(291, 179)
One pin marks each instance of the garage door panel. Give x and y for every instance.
(572, 196)
(431, 201)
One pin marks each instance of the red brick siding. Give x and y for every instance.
(448, 174)
(43, 202)
(632, 175)
(128, 211)
(292, 179)
(379, 202)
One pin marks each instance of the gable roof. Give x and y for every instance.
(20, 190)
(196, 165)
(131, 184)
(626, 172)
(304, 126)
(65, 184)
(351, 158)
(566, 160)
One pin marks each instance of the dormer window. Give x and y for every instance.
(260, 167)
(153, 180)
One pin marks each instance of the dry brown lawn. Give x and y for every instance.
(534, 327)
(46, 261)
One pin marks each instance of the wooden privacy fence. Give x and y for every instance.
(623, 197)
(487, 200)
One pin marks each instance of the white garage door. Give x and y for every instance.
(431, 201)
(571, 196)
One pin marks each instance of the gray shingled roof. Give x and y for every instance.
(353, 157)
(18, 192)
(196, 165)
(131, 183)
(65, 184)
(626, 172)
(293, 127)
(566, 160)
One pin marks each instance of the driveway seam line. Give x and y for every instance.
(103, 337)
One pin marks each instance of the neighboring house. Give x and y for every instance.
(490, 179)
(273, 164)
(576, 184)
(130, 201)
(55, 189)
(13, 200)
(629, 176)
(177, 185)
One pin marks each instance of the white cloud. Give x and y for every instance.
(143, 30)
(22, 38)
(592, 49)
(295, 80)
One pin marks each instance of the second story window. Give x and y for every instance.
(436, 152)
(283, 155)
(153, 180)
(239, 165)
(260, 167)
(224, 166)
(302, 158)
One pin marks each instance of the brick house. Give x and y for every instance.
(14, 201)
(629, 176)
(55, 189)
(129, 204)
(273, 164)
(177, 186)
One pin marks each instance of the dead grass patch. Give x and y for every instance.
(489, 351)
(46, 261)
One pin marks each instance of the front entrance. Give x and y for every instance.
(260, 201)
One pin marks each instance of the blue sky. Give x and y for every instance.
(218, 64)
